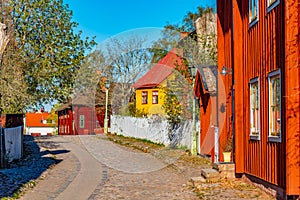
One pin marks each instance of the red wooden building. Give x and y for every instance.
(259, 41)
(77, 117)
(205, 92)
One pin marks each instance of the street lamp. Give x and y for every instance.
(225, 70)
(107, 85)
(193, 72)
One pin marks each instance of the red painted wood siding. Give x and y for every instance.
(272, 43)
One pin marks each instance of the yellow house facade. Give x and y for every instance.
(150, 100)
(149, 89)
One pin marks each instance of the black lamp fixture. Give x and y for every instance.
(193, 71)
(225, 70)
(107, 84)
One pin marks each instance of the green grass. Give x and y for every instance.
(136, 139)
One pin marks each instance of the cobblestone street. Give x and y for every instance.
(92, 167)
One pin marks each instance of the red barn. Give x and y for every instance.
(259, 41)
(77, 118)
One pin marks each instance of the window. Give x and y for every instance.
(274, 106)
(272, 4)
(144, 97)
(154, 97)
(253, 11)
(81, 123)
(254, 109)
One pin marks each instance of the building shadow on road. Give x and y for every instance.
(39, 155)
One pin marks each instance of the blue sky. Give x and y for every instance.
(107, 18)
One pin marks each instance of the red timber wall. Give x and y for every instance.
(225, 93)
(292, 96)
(270, 44)
(67, 116)
(89, 119)
(206, 129)
(65, 120)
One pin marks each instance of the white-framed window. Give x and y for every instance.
(154, 97)
(274, 82)
(254, 109)
(81, 121)
(144, 97)
(253, 12)
(272, 4)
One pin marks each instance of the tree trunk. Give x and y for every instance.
(4, 39)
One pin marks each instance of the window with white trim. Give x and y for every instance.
(274, 81)
(154, 97)
(253, 11)
(272, 4)
(81, 121)
(144, 97)
(254, 109)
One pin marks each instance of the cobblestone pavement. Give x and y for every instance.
(91, 167)
(37, 160)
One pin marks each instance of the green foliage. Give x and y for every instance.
(131, 110)
(53, 118)
(171, 37)
(172, 107)
(45, 49)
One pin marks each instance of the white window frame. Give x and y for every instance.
(255, 136)
(272, 138)
(253, 20)
(272, 4)
(155, 94)
(144, 94)
(81, 121)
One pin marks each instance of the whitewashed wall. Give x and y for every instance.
(42, 130)
(153, 129)
(13, 143)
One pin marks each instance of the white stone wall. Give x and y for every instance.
(155, 130)
(42, 130)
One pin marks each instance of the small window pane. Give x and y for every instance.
(81, 121)
(144, 97)
(155, 97)
(254, 108)
(275, 105)
(253, 10)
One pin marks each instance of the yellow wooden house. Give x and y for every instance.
(149, 88)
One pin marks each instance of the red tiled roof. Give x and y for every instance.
(160, 71)
(36, 119)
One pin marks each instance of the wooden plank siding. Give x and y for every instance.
(292, 97)
(262, 55)
(224, 40)
(254, 51)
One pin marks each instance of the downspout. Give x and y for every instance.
(217, 134)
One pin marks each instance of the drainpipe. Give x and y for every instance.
(216, 131)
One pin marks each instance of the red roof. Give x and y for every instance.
(159, 72)
(37, 119)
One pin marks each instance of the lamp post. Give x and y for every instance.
(193, 71)
(107, 85)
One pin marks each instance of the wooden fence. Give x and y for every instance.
(153, 129)
(11, 144)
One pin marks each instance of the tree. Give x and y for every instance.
(45, 47)
(204, 36)
(123, 61)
